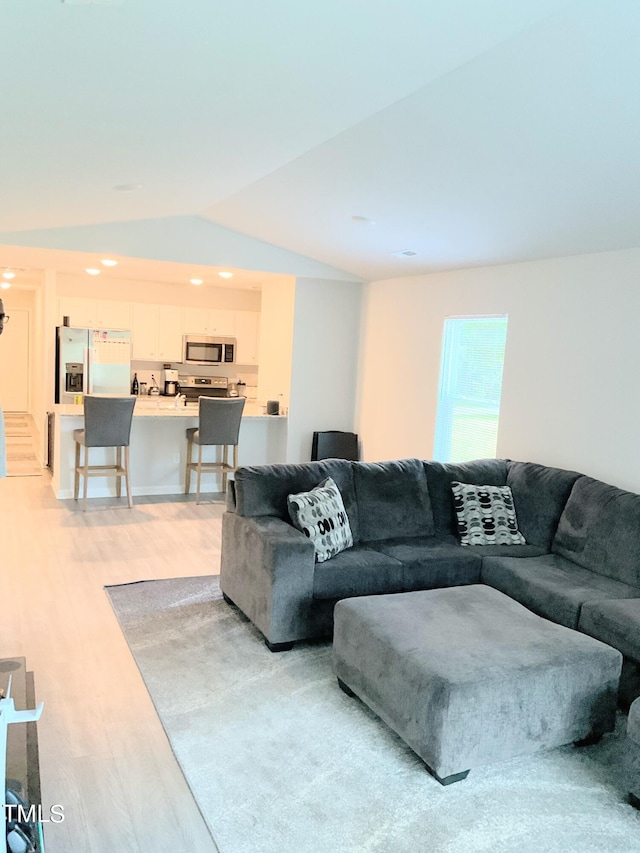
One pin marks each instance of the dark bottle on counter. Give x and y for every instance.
(135, 387)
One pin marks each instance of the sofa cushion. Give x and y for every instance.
(263, 489)
(485, 515)
(320, 515)
(432, 562)
(551, 586)
(440, 475)
(357, 571)
(506, 550)
(600, 530)
(616, 623)
(539, 496)
(393, 499)
(633, 722)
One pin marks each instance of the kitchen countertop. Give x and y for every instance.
(163, 407)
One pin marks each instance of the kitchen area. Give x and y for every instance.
(167, 355)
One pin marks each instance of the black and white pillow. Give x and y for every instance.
(486, 515)
(320, 515)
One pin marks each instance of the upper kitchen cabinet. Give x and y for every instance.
(81, 312)
(210, 321)
(94, 313)
(196, 321)
(157, 332)
(170, 329)
(113, 315)
(145, 329)
(248, 336)
(222, 323)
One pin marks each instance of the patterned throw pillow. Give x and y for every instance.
(321, 516)
(486, 515)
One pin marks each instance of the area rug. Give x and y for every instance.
(279, 760)
(22, 459)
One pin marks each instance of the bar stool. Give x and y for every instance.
(107, 423)
(218, 424)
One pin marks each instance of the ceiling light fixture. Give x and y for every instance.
(8, 274)
(108, 262)
(404, 253)
(225, 274)
(196, 281)
(93, 271)
(5, 285)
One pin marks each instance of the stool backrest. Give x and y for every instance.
(220, 419)
(334, 444)
(107, 421)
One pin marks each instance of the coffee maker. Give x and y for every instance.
(171, 384)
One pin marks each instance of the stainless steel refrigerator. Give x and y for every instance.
(92, 361)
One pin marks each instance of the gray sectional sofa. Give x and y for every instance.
(580, 567)
(633, 753)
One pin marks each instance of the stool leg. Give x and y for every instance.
(86, 479)
(199, 471)
(118, 469)
(76, 478)
(225, 468)
(126, 476)
(187, 477)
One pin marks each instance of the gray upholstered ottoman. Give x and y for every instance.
(467, 676)
(633, 752)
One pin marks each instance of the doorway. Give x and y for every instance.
(14, 362)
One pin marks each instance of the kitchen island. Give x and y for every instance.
(158, 447)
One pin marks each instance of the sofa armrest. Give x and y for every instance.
(266, 569)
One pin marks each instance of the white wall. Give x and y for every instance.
(276, 340)
(324, 361)
(570, 388)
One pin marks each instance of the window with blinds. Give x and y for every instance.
(470, 388)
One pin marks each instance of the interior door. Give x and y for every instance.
(14, 362)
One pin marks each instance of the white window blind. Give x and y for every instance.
(470, 388)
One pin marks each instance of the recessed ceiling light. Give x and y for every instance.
(404, 253)
(362, 220)
(196, 281)
(225, 274)
(5, 285)
(93, 271)
(8, 274)
(127, 188)
(108, 262)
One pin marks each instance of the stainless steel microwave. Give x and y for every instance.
(201, 349)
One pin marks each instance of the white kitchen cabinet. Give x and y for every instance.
(248, 336)
(113, 315)
(94, 313)
(170, 330)
(81, 312)
(210, 321)
(157, 332)
(145, 330)
(196, 321)
(222, 323)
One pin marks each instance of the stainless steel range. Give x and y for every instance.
(203, 386)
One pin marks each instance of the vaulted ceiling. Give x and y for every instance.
(468, 131)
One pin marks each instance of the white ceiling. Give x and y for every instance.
(471, 131)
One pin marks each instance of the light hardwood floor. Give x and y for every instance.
(103, 752)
